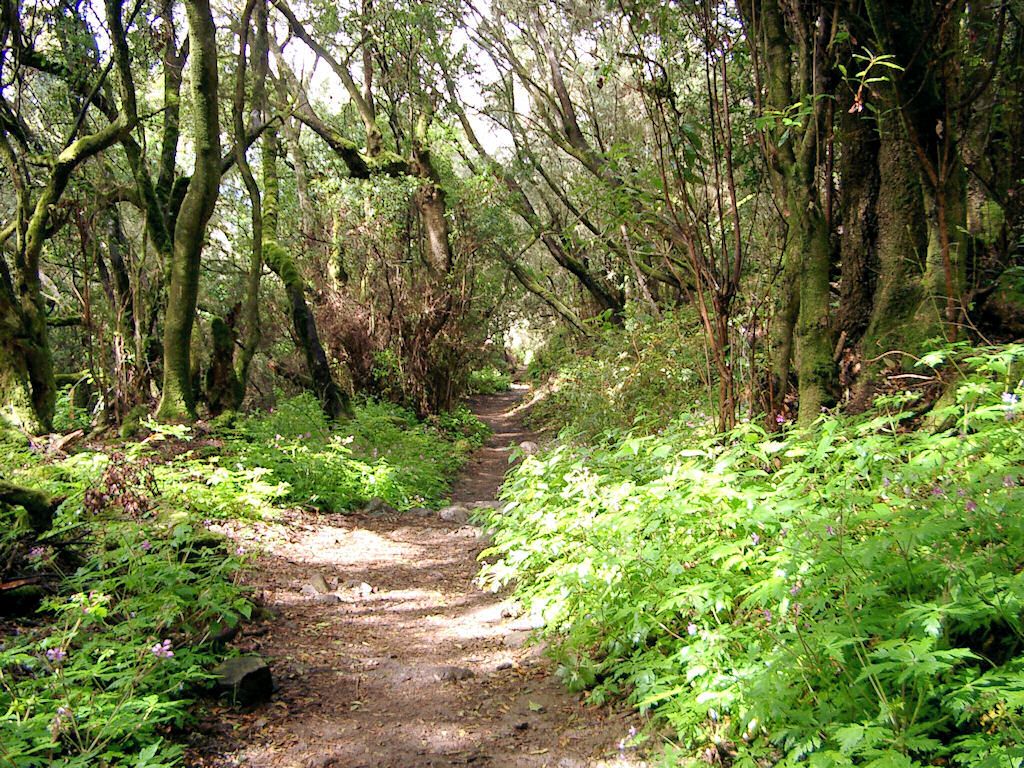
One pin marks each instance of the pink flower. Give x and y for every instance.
(162, 650)
(56, 655)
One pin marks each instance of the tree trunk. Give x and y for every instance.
(39, 506)
(895, 322)
(178, 398)
(333, 399)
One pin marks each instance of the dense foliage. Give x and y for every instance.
(141, 588)
(848, 596)
(638, 375)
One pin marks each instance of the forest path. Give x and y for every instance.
(405, 663)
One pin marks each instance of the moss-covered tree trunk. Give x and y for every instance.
(24, 340)
(178, 398)
(228, 376)
(333, 399)
(18, 408)
(894, 322)
(790, 47)
(925, 96)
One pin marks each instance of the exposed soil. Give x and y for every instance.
(413, 665)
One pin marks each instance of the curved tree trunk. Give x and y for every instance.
(178, 399)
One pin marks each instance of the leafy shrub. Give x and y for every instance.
(640, 375)
(488, 381)
(851, 596)
(295, 455)
(122, 650)
(461, 424)
(68, 414)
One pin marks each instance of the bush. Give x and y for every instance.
(851, 596)
(122, 651)
(295, 455)
(641, 375)
(488, 381)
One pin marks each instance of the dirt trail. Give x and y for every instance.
(414, 666)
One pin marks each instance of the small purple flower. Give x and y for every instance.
(1010, 398)
(162, 650)
(63, 712)
(56, 655)
(830, 530)
(767, 614)
(797, 608)
(1009, 481)
(960, 492)
(755, 538)
(307, 435)
(886, 482)
(780, 418)
(938, 491)
(971, 505)
(145, 546)
(240, 550)
(691, 629)
(795, 589)
(37, 553)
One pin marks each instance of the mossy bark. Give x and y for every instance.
(18, 408)
(39, 506)
(895, 322)
(813, 337)
(178, 399)
(223, 387)
(790, 44)
(333, 399)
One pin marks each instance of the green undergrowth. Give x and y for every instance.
(294, 455)
(489, 381)
(853, 595)
(120, 646)
(105, 668)
(635, 376)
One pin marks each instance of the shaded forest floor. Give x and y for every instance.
(403, 662)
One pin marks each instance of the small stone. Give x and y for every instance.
(379, 507)
(503, 665)
(360, 588)
(486, 505)
(450, 674)
(516, 639)
(529, 447)
(456, 513)
(319, 583)
(420, 512)
(522, 725)
(245, 679)
(329, 598)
